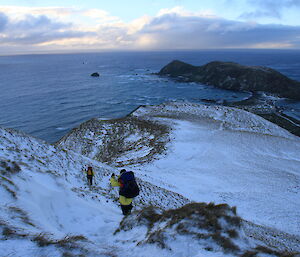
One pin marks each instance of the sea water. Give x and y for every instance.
(47, 95)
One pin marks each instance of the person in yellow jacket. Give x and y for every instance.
(90, 174)
(126, 203)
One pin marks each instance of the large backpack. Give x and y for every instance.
(129, 188)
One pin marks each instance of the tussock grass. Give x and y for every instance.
(8, 185)
(249, 254)
(113, 135)
(68, 254)
(267, 250)
(8, 167)
(9, 190)
(114, 143)
(10, 232)
(22, 215)
(67, 242)
(2, 222)
(225, 242)
(7, 180)
(232, 233)
(202, 221)
(158, 237)
(214, 226)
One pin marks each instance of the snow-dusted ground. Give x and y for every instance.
(228, 155)
(47, 195)
(44, 199)
(216, 154)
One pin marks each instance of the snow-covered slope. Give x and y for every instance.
(224, 155)
(180, 152)
(47, 210)
(42, 200)
(134, 140)
(228, 155)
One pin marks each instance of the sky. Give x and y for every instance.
(71, 25)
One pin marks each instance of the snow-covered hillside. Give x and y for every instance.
(46, 209)
(219, 154)
(228, 155)
(181, 153)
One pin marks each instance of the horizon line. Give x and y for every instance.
(95, 51)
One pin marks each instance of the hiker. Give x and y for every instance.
(128, 189)
(90, 174)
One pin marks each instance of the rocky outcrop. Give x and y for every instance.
(233, 76)
(110, 141)
(95, 74)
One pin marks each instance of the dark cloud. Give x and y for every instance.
(269, 8)
(168, 31)
(41, 22)
(175, 31)
(34, 30)
(33, 38)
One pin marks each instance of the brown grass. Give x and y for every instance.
(232, 233)
(9, 167)
(225, 243)
(187, 220)
(114, 143)
(158, 238)
(9, 232)
(66, 242)
(267, 250)
(9, 190)
(249, 254)
(7, 180)
(22, 215)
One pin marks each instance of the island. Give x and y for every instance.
(233, 76)
(95, 74)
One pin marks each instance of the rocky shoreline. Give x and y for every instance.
(269, 111)
(233, 76)
(255, 79)
(265, 108)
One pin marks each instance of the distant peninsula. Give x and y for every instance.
(233, 76)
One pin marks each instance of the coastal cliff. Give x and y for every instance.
(233, 76)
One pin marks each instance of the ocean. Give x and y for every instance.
(48, 95)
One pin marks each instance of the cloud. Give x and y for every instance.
(269, 8)
(176, 28)
(3, 21)
(173, 31)
(60, 27)
(19, 13)
(100, 16)
(277, 4)
(65, 28)
(33, 30)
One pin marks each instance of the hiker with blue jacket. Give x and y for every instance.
(128, 189)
